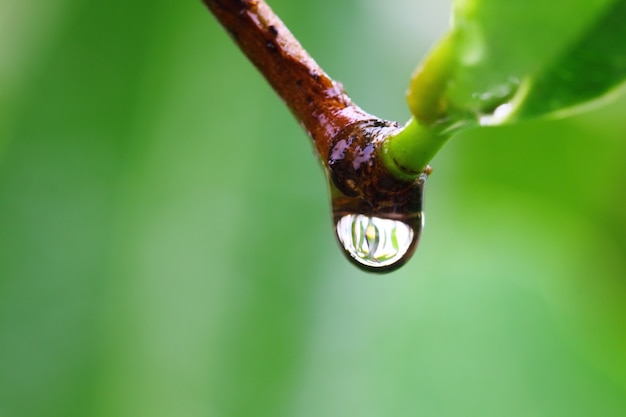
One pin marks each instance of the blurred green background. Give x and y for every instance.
(166, 247)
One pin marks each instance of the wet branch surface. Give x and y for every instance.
(348, 140)
(320, 104)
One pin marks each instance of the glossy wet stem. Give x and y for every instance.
(320, 104)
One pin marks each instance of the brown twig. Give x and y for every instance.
(320, 104)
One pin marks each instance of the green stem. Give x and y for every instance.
(407, 153)
(426, 95)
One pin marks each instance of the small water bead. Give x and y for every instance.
(376, 242)
(499, 116)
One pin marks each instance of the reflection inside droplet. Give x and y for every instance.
(376, 242)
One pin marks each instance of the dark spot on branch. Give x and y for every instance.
(299, 82)
(309, 99)
(272, 30)
(314, 75)
(270, 45)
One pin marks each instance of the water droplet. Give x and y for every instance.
(375, 242)
(499, 116)
(383, 236)
(495, 106)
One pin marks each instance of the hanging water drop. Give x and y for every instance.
(379, 238)
(376, 242)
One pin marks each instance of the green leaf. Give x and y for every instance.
(591, 68)
(518, 59)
